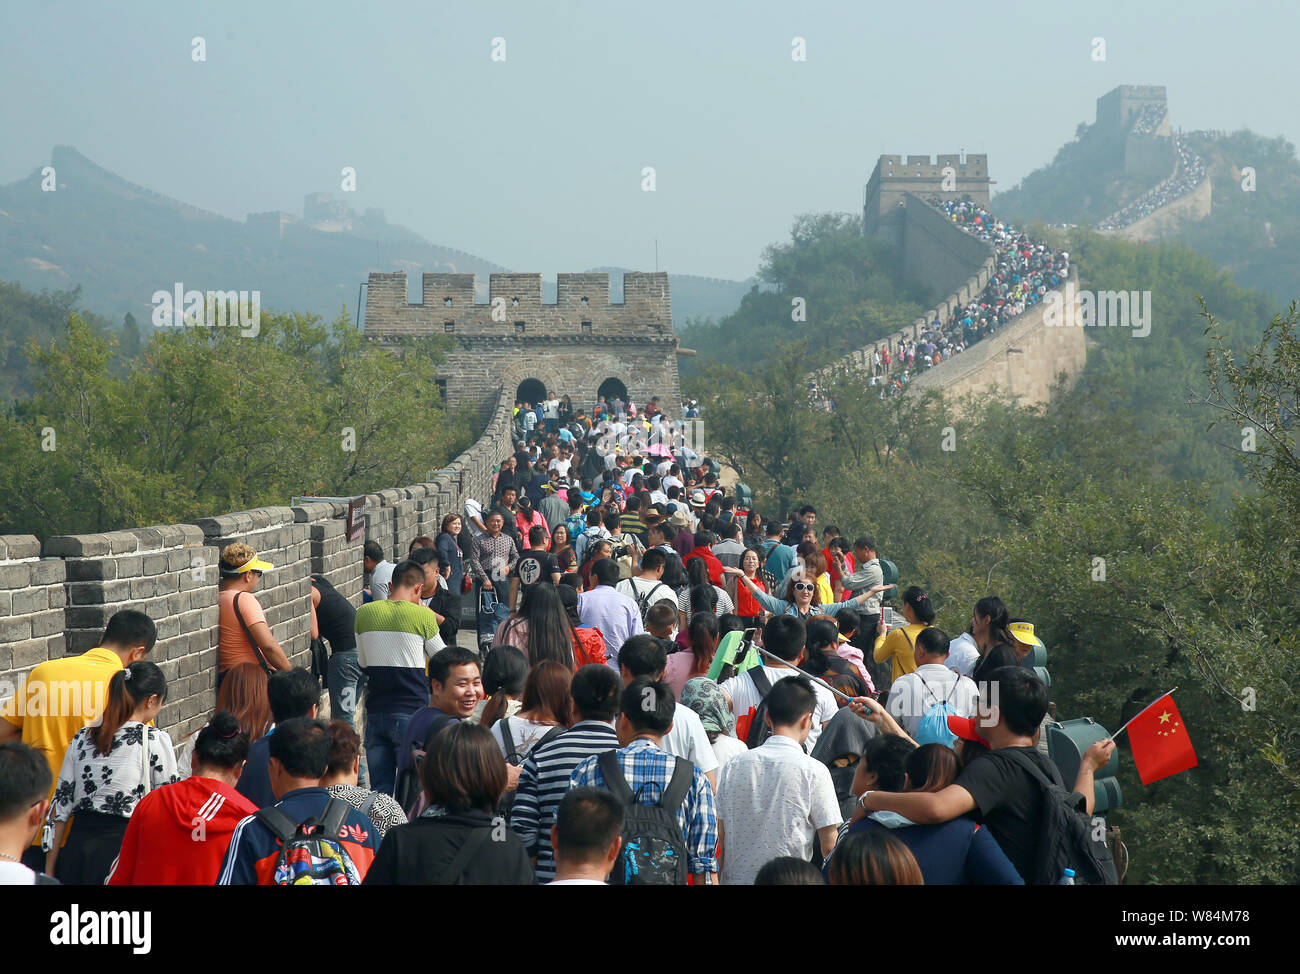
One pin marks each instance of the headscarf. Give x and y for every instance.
(709, 702)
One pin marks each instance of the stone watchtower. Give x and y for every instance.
(583, 345)
(950, 177)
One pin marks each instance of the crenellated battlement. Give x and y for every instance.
(582, 306)
(573, 345)
(947, 175)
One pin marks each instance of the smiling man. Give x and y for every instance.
(455, 688)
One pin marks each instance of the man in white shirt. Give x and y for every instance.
(775, 800)
(381, 570)
(913, 694)
(963, 654)
(25, 786)
(783, 636)
(644, 656)
(587, 837)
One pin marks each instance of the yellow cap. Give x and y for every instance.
(1024, 633)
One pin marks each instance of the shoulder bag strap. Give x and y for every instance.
(234, 604)
(612, 772)
(761, 683)
(467, 851)
(679, 786)
(278, 822)
(508, 739)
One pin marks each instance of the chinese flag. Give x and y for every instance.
(1159, 741)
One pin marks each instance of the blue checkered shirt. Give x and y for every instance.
(642, 762)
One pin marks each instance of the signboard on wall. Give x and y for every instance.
(356, 518)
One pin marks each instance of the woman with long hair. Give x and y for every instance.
(547, 704)
(464, 777)
(989, 627)
(588, 642)
(540, 628)
(873, 858)
(899, 645)
(242, 694)
(754, 533)
(504, 673)
(702, 636)
(747, 606)
(701, 595)
(108, 768)
(822, 637)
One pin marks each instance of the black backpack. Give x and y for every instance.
(1067, 836)
(654, 849)
(759, 731)
(643, 601)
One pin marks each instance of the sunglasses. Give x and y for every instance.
(805, 587)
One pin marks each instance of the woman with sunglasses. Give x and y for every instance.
(801, 597)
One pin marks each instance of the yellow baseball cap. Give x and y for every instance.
(1024, 633)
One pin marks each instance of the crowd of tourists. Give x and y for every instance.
(1189, 173)
(1148, 118)
(664, 684)
(1025, 270)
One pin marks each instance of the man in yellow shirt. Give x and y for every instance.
(61, 696)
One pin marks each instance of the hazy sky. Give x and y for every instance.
(535, 162)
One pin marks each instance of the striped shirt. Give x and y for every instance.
(543, 780)
(393, 640)
(643, 762)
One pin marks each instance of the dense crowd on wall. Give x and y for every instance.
(662, 683)
(1189, 173)
(1148, 119)
(1024, 271)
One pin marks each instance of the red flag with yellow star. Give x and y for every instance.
(1159, 741)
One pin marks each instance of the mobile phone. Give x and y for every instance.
(887, 616)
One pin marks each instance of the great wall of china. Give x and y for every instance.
(57, 594)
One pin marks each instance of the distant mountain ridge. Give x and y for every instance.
(120, 242)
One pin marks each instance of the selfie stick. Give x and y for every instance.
(802, 673)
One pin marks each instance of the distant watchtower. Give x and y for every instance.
(583, 345)
(950, 177)
(1135, 119)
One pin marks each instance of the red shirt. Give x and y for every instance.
(178, 834)
(746, 605)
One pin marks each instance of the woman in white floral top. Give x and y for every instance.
(107, 769)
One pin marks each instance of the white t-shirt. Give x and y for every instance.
(771, 802)
(688, 740)
(912, 694)
(725, 748)
(380, 579)
(641, 588)
(16, 874)
(525, 734)
(560, 466)
(963, 654)
(744, 697)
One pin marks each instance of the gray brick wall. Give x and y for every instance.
(57, 598)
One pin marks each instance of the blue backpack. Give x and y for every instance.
(933, 728)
